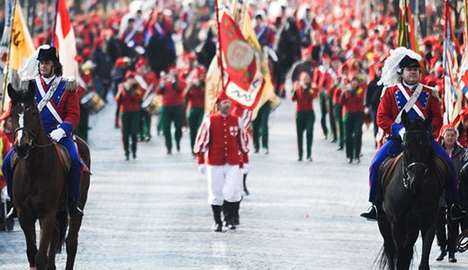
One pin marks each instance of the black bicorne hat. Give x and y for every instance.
(49, 53)
(407, 62)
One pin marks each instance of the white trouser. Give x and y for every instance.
(224, 183)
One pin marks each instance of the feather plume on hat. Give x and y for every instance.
(390, 74)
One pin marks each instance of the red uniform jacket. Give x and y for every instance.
(222, 140)
(172, 94)
(353, 102)
(196, 97)
(304, 100)
(67, 107)
(128, 102)
(388, 110)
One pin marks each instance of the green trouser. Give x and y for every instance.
(83, 126)
(260, 126)
(145, 125)
(169, 115)
(323, 113)
(305, 122)
(195, 119)
(130, 121)
(331, 116)
(353, 133)
(339, 124)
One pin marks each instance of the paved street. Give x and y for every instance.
(152, 213)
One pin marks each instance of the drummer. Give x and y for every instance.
(147, 80)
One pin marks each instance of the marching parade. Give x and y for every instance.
(234, 134)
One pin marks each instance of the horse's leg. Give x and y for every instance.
(405, 240)
(428, 234)
(28, 226)
(53, 248)
(48, 229)
(389, 247)
(72, 241)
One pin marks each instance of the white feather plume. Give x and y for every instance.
(389, 71)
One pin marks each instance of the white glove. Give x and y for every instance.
(57, 134)
(402, 132)
(202, 168)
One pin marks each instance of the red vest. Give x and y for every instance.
(224, 147)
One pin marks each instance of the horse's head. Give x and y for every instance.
(26, 121)
(417, 150)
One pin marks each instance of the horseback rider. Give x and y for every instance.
(402, 73)
(59, 116)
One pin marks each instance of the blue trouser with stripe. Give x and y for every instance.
(74, 174)
(393, 147)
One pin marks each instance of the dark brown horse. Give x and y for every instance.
(412, 185)
(40, 185)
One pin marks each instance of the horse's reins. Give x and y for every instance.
(412, 164)
(33, 137)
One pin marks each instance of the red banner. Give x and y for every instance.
(243, 79)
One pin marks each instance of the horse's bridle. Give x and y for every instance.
(33, 137)
(414, 164)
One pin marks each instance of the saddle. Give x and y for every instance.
(63, 156)
(62, 153)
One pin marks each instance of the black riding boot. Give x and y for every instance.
(371, 214)
(74, 209)
(218, 225)
(228, 211)
(452, 258)
(235, 213)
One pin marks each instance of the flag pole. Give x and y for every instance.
(52, 30)
(6, 72)
(220, 59)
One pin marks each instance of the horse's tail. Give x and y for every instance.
(385, 259)
(62, 225)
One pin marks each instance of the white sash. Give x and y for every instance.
(411, 102)
(46, 97)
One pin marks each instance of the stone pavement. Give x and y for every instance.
(152, 213)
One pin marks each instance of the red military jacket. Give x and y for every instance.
(221, 140)
(353, 102)
(172, 93)
(389, 108)
(129, 102)
(304, 100)
(196, 96)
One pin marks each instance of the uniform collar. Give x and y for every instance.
(410, 87)
(48, 80)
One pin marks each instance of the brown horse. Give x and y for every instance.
(40, 185)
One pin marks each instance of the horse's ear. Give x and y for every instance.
(30, 93)
(404, 118)
(12, 93)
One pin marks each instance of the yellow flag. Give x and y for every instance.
(22, 47)
(212, 85)
(268, 93)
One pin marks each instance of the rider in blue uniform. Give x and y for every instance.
(59, 117)
(405, 64)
